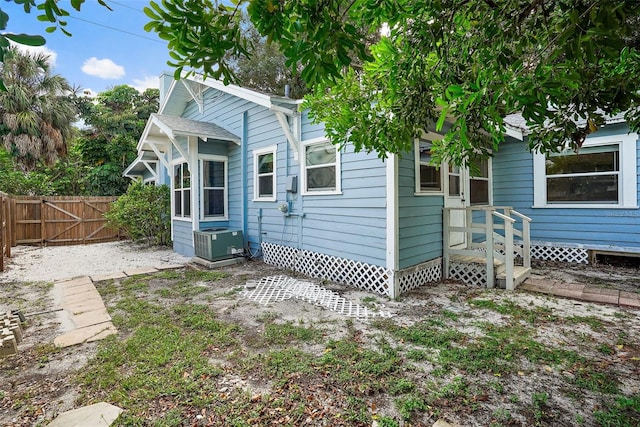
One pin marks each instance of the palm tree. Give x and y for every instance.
(36, 112)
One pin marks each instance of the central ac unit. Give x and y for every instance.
(218, 244)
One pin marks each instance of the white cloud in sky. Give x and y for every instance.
(146, 82)
(53, 56)
(103, 68)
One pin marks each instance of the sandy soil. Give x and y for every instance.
(40, 383)
(53, 263)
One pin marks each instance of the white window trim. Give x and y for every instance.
(174, 162)
(273, 149)
(210, 157)
(419, 191)
(303, 171)
(628, 180)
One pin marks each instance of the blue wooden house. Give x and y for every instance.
(241, 160)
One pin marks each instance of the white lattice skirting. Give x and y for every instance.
(473, 274)
(558, 253)
(361, 275)
(416, 276)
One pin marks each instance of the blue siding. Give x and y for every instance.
(183, 238)
(591, 227)
(350, 225)
(419, 218)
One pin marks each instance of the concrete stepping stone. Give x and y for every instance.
(86, 334)
(98, 415)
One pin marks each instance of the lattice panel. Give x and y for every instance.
(359, 274)
(415, 277)
(471, 274)
(281, 288)
(553, 253)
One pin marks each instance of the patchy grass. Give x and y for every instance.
(190, 352)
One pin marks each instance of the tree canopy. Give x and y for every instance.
(457, 66)
(35, 112)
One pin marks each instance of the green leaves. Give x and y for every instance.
(458, 66)
(25, 39)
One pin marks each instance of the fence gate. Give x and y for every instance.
(62, 220)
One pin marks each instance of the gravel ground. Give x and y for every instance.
(52, 263)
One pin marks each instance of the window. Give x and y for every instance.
(181, 190)
(264, 177)
(601, 174)
(321, 168)
(428, 177)
(479, 182)
(214, 187)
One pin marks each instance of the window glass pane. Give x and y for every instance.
(265, 186)
(479, 189)
(186, 194)
(454, 185)
(265, 163)
(582, 163)
(177, 177)
(577, 189)
(214, 202)
(213, 174)
(430, 178)
(177, 203)
(186, 176)
(480, 168)
(321, 178)
(320, 154)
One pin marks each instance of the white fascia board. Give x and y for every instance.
(167, 96)
(514, 133)
(243, 93)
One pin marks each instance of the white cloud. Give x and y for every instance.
(103, 68)
(146, 82)
(53, 56)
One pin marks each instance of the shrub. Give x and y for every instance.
(143, 213)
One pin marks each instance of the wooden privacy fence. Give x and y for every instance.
(54, 220)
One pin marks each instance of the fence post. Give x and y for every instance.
(14, 230)
(3, 229)
(43, 226)
(9, 225)
(491, 274)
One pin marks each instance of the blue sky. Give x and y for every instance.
(107, 48)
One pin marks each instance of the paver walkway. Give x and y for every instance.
(581, 292)
(84, 316)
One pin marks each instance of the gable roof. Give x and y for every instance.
(189, 87)
(173, 126)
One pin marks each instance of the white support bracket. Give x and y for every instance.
(195, 90)
(292, 137)
(153, 143)
(147, 164)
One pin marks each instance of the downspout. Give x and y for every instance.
(245, 188)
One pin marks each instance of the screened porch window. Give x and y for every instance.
(592, 176)
(479, 182)
(181, 191)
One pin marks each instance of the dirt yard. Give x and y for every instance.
(193, 350)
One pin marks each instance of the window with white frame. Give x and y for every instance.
(479, 182)
(428, 177)
(321, 167)
(601, 174)
(214, 187)
(264, 174)
(181, 190)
